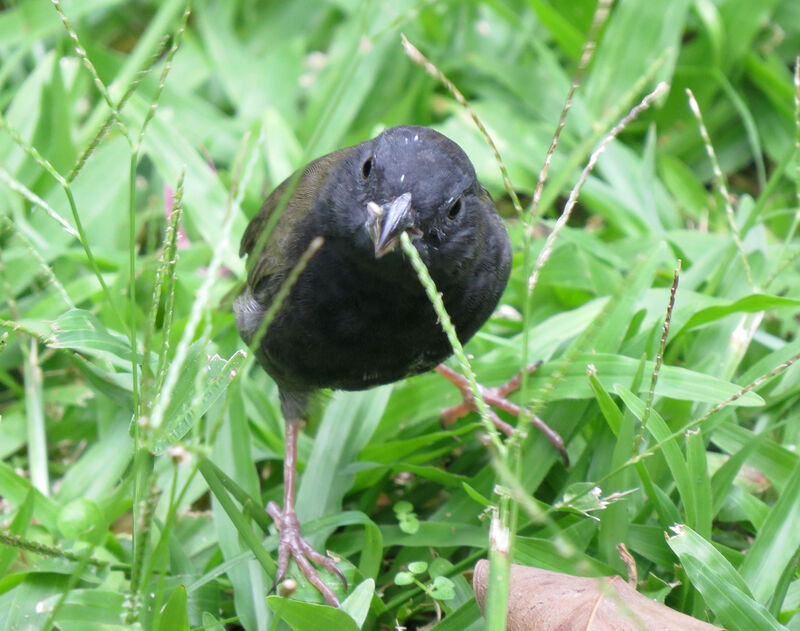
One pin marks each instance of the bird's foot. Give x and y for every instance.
(496, 397)
(293, 545)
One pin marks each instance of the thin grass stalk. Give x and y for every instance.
(796, 219)
(513, 488)
(170, 275)
(249, 167)
(136, 65)
(458, 350)
(242, 175)
(283, 291)
(547, 249)
(743, 391)
(46, 269)
(722, 185)
(580, 154)
(162, 80)
(151, 111)
(434, 71)
(199, 308)
(172, 515)
(165, 272)
(235, 196)
(55, 552)
(32, 151)
(88, 250)
(499, 569)
(109, 120)
(534, 406)
(98, 82)
(587, 54)
(72, 581)
(146, 499)
(34, 199)
(785, 264)
(50, 169)
(796, 144)
(132, 283)
(160, 553)
(659, 357)
(417, 57)
(431, 68)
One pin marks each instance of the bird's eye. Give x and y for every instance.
(366, 168)
(453, 211)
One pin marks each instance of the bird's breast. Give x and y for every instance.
(351, 325)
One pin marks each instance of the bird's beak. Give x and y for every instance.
(387, 222)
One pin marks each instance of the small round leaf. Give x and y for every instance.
(403, 578)
(442, 589)
(81, 519)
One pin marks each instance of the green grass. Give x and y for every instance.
(133, 484)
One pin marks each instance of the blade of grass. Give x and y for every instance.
(719, 583)
(700, 481)
(240, 522)
(776, 543)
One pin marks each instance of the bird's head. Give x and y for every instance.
(413, 179)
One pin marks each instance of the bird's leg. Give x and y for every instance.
(292, 542)
(496, 397)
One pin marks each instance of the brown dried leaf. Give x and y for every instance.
(540, 600)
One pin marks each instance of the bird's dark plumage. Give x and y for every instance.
(358, 316)
(353, 320)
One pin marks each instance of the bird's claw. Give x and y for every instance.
(496, 397)
(292, 544)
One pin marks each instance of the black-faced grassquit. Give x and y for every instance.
(357, 315)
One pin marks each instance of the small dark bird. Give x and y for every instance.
(357, 315)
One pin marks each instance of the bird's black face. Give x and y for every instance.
(414, 179)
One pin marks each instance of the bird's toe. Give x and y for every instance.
(292, 544)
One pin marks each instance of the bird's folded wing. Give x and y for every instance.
(280, 251)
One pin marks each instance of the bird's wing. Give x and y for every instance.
(277, 255)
